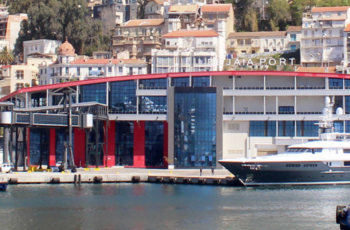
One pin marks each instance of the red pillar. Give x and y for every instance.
(79, 147)
(139, 144)
(52, 148)
(111, 144)
(165, 149)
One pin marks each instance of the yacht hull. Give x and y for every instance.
(285, 173)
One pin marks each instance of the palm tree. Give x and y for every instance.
(6, 56)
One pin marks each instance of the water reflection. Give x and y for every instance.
(165, 206)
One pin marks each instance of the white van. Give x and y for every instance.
(6, 167)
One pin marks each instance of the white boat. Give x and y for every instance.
(324, 161)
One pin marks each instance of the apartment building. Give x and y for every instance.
(138, 37)
(188, 51)
(154, 9)
(40, 46)
(322, 39)
(242, 43)
(69, 68)
(10, 26)
(15, 77)
(119, 11)
(293, 38)
(182, 17)
(220, 18)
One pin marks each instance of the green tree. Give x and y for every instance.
(279, 13)
(328, 3)
(250, 21)
(298, 7)
(241, 8)
(57, 19)
(6, 56)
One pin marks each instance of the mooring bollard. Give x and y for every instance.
(75, 179)
(79, 179)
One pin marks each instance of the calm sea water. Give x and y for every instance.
(161, 206)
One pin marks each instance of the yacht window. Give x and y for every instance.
(317, 150)
(346, 150)
(346, 163)
(292, 165)
(310, 165)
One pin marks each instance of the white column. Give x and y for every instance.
(210, 80)
(295, 104)
(264, 105)
(326, 83)
(295, 82)
(233, 105)
(233, 82)
(264, 82)
(276, 104)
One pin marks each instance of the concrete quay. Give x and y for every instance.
(124, 175)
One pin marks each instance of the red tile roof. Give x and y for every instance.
(191, 33)
(258, 34)
(217, 8)
(347, 28)
(143, 22)
(329, 9)
(107, 61)
(183, 9)
(294, 29)
(330, 69)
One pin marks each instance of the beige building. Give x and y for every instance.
(10, 26)
(182, 17)
(220, 18)
(322, 39)
(242, 43)
(15, 77)
(154, 9)
(138, 37)
(293, 38)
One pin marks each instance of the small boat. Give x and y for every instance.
(325, 161)
(3, 184)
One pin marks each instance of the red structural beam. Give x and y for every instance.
(170, 75)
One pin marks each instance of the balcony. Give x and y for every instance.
(118, 43)
(152, 41)
(132, 42)
(245, 112)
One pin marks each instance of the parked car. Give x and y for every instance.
(7, 167)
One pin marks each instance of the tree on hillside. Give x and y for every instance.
(279, 14)
(250, 21)
(241, 8)
(6, 56)
(57, 19)
(298, 7)
(327, 3)
(141, 7)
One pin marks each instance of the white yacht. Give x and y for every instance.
(324, 161)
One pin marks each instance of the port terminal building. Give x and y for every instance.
(170, 120)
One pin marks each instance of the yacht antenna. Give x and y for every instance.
(326, 125)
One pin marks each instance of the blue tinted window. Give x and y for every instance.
(195, 126)
(39, 142)
(285, 109)
(338, 126)
(123, 97)
(307, 129)
(94, 92)
(335, 83)
(61, 139)
(124, 143)
(180, 81)
(200, 81)
(286, 128)
(154, 143)
(154, 83)
(347, 83)
(92, 146)
(347, 126)
(262, 128)
(152, 104)
(347, 104)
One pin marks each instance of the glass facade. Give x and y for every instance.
(262, 128)
(195, 127)
(154, 83)
(94, 92)
(92, 146)
(39, 143)
(154, 143)
(335, 83)
(152, 104)
(180, 81)
(123, 97)
(347, 83)
(338, 126)
(61, 139)
(124, 143)
(285, 109)
(307, 129)
(286, 128)
(347, 126)
(200, 81)
(347, 104)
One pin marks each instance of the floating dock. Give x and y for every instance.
(92, 175)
